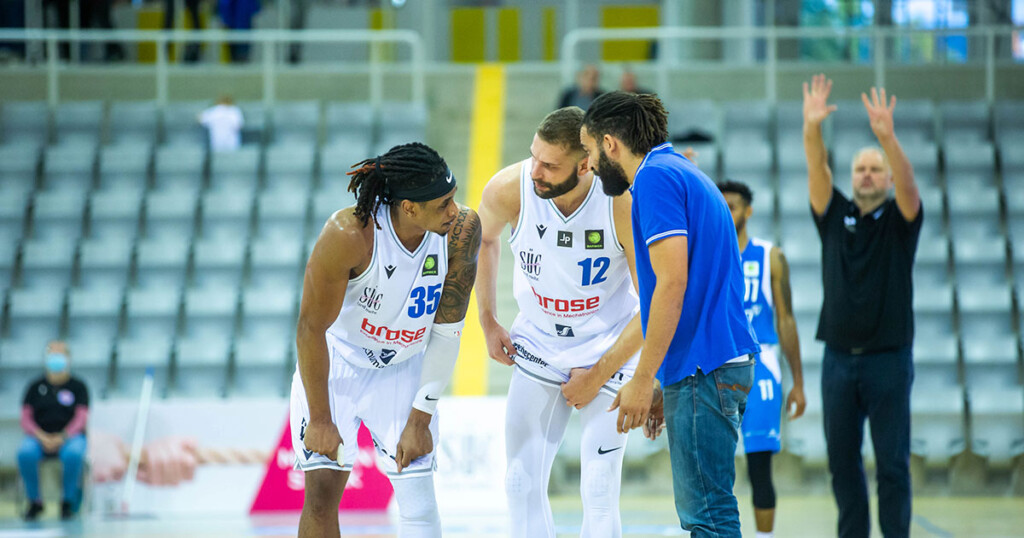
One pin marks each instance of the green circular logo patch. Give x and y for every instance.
(429, 264)
(593, 237)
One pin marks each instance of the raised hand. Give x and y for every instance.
(879, 113)
(816, 107)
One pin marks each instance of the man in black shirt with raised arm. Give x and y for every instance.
(867, 324)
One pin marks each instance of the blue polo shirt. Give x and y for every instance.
(671, 196)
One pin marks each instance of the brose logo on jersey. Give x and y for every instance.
(565, 306)
(385, 335)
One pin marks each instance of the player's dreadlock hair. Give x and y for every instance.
(402, 168)
(639, 121)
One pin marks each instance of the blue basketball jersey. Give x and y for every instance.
(757, 289)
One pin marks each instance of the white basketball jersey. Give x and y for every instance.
(389, 309)
(571, 280)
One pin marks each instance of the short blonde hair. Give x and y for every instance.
(865, 149)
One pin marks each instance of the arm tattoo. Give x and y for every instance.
(463, 247)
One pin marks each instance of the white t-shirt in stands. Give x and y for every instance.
(225, 125)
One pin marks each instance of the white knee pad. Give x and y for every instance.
(517, 481)
(417, 507)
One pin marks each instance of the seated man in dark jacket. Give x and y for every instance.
(53, 415)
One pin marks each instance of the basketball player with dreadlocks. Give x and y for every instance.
(383, 304)
(577, 336)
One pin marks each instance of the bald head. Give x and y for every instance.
(870, 175)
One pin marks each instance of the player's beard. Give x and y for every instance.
(555, 190)
(613, 176)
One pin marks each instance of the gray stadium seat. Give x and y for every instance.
(974, 214)
(924, 157)
(161, 263)
(1009, 116)
(1011, 156)
(225, 215)
(25, 121)
(792, 159)
(179, 167)
(152, 313)
(69, 167)
(255, 122)
(47, 263)
(915, 118)
(969, 158)
(937, 424)
(350, 122)
(234, 168)
(170, 214)
(997, 424)
(400, 123)
(933, 311)
(935, 362)
(297, 122)
(210, 311)
(132, 122)
(35, 315)
(281, 213)
(985, 310)
(91, 360)
(181, 124)
(789, 121)
(95, 313)
(262, 367)
(79, 121)
(980, 261)
(990, 362)
(290, 166)
(8, 252)
(104, 263)
(747, 119)
(134, 356)
(114, 215)
(269, 313)
(748, 160)
(58, 215)
(218, 262)
(698, 115)
(326, 201)
(201, 366)
(336, 160)
(964, 120)
(19, 163)
(13, 209)
(125, 167)
(276, 262)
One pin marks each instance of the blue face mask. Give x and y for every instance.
(56, 363)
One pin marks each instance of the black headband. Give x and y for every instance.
(438, 187)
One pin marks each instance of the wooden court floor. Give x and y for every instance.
(810, 516)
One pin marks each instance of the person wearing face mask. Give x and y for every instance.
(54, 414)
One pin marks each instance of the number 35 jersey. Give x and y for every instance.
(571, 278)
(388, 310)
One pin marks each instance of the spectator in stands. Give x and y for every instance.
(96, 14)
(224, 121)
(585, 90)
(54, 415)
(238, 15)
(866, 322)
(192, 7)
(628, 82)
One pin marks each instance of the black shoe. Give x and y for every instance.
(33, 511)
(67, 511)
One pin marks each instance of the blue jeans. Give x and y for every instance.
(72, 456)
(703, 414)
(875, 386)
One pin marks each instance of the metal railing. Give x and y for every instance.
(879, 36)
(269, 40)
